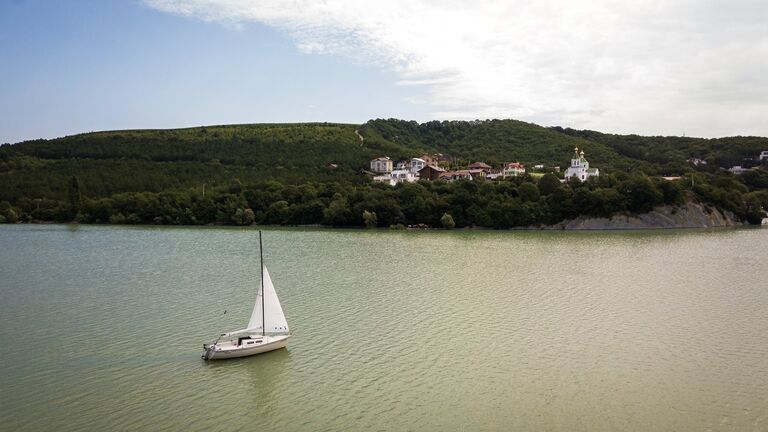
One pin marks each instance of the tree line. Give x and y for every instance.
(515, 202)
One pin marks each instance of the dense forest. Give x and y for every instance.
(314, 173)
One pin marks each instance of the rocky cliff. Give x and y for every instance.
(688, 215)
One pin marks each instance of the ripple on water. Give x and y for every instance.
(392, 331)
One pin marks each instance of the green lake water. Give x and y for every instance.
(101, 329)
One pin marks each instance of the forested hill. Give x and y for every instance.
(670, 154)
(157, 160)
(94, 176)
(496, 142)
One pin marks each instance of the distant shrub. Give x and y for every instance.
(447, 221)
(370, 219)
(117, 219)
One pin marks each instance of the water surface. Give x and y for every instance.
(101, 329)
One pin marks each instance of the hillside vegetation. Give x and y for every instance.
(310, 173)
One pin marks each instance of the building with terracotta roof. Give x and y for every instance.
(456, 175)
(513, 169)
(430, 172)
(479, 165)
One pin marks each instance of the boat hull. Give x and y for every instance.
(271, 343)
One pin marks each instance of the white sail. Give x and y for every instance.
(274, 318)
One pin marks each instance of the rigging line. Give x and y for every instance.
(261, 259)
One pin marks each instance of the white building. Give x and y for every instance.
(397, 176)
(381, 165)
(513, 169)
(764, 155)
(580, 167)
(413, 165)
(417, 164)
(738, 169)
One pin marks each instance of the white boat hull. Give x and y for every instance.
(227, 350)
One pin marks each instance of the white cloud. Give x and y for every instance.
(649, 66)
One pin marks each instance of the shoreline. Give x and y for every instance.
(684, 216)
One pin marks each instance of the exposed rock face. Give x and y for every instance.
(688, 215)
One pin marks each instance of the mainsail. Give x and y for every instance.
(274, 318)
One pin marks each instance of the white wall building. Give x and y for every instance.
(738, 169)
(764, 155)
(417, 164)
(398, 176)
(513, 169)
(381, 165)
(580, 167)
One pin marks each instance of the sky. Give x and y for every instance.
(651, 67)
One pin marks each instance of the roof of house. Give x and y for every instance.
(432, 167)
(514, 165)
(460, 173)
(480, 165)
(383, 158)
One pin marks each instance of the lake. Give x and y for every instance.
(102, 329)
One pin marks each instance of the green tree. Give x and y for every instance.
(243, 217)
(528, 192)
(641, 193)
(754, 212)
(278, 213)
(548, 183)
(117, 219)
(338, 212)
(447, 221)
(12, 216)
(370, 219)
(74, 197)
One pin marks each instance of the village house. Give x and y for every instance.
(764, 155)
(397, 176)
(495, 174)
(430, 172)
(429, 159)
(480, 166)
(414, 165)
(513, 169)
(478, 173)
(580, 167)
(456, 175)
(417, 164)
(738, 169)
(381, 165)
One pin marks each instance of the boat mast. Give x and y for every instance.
(261, 261)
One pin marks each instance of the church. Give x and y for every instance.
(580, 167)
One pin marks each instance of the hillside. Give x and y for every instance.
(669, 154)
(496, 142)
(311, 173)
(157, 160)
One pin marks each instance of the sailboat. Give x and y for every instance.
(267, 329)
